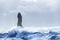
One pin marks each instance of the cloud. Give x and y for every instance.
(28, 6)
(39, 6)
(46, 9)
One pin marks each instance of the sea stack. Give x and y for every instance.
(19, 23)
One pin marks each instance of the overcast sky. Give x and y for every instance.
(34, 12)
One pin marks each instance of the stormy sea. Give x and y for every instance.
(31, 34)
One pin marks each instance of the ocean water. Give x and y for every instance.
(16, 34)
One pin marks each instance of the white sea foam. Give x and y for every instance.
(36, 29)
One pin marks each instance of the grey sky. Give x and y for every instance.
(34, 12)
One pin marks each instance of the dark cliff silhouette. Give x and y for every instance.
(19, 19)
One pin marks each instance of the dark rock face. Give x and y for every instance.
(19, 20)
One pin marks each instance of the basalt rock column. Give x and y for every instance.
(19, 16)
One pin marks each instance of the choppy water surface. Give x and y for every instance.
(24, 35)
